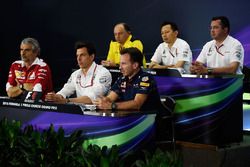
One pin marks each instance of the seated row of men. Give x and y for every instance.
(222, 55)
(135, 89)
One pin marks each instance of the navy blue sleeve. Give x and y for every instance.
(146, 84)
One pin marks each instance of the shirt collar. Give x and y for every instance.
(36, 61)
(224, 43)
(136, 75)
(128, 39)
(92, 68)
(174, 46)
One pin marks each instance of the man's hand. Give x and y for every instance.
(103, 103)
(56, 98)
(198, 68)
(108, 63)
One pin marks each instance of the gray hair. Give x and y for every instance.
(33, 42)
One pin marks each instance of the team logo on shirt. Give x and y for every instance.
(210, 50)
(103, 80)
(145, 84)
(123, 85)
(145, 79)
(32, 76)
(42, 70)
(185, 53)
(20, 74)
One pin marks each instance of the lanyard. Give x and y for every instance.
(218, 51)
(92, 79)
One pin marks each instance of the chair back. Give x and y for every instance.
(168, 103)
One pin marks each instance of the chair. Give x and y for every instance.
(246, 80)
(167, 116)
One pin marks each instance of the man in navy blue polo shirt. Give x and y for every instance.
(135, 89)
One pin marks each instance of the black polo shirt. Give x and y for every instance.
(141, 83)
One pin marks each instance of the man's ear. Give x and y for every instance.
(176, 33)
(135, 65)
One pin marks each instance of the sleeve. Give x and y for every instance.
(184, 53)
(102, 83)
(43, 79)
(157, 55)
(138, 44)
(237, 53)
(11, 78)
(146, 84)
(116, 86)
(68, 88)
(202, 56)
(111, 55)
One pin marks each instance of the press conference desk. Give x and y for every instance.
(208, 111)
(208, 108)
(127, 129)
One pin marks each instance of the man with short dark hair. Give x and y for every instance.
(173, 52)
(123, 39)
(223, 55)
(88, 82)
(135, 89)
(30, 73)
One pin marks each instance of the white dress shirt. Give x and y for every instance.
(96, 83)
(231, 50)
(180, 51)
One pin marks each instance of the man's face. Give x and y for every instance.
(167, 34)
(126, 66)
(84, 60)
(121, 35)
(28, 55)
(217, 32)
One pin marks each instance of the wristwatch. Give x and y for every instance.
(209, 71)
(113, 106)
(67, 100)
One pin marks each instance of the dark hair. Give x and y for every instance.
(90, 46)
(126, 27)
(135, 54)
(224, 21)
(174, 26)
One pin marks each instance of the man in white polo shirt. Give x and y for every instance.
(173, 52)
(223, 55)
(88, 82)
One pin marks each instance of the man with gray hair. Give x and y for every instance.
(30, 73)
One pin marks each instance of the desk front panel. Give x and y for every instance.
(128, 132)
(208, 110)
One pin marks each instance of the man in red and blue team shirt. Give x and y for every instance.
(135, 89)
(30, 73)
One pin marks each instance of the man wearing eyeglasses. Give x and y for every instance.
(88, 82)
(223, 55)
(135, 89)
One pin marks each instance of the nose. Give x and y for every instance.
(22, 52)
(78, 58)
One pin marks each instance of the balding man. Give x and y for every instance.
(123, 39)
